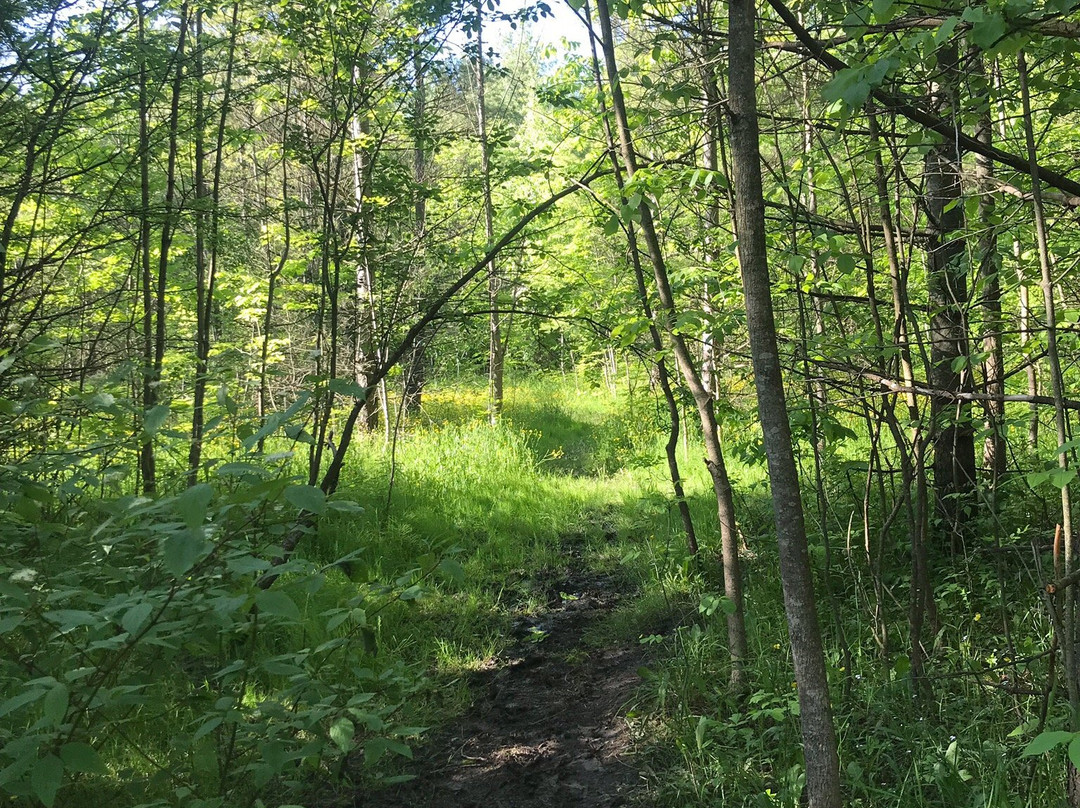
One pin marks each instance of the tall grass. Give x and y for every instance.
(575, 472)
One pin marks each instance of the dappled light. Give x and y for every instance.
(489, 403)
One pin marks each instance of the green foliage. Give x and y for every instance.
(141, 658)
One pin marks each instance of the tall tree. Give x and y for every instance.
(714, 454)
(818, 733)
(950, 369)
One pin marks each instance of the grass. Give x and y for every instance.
(575, 464)
(465, 525)
(959, 746)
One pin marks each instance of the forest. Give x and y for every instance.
(399, 407)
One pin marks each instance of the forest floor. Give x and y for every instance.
(547, 726)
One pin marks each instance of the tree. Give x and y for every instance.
(642, 211)
(819, 736)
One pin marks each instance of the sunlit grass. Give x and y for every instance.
(576, 468)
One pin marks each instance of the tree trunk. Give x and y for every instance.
(913, 460)
(990, 271)
(714, 456)
(202, 309)
(147, 458)
(152, 389)
(946, 283)
(662, 374)
(818, 734)
(1068, 597)
(710, 148)
(365, 357)
(496, 345)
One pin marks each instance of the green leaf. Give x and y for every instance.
(988, 31)
(347, 387)
(1069, 446)
(344, 506)
(412, 593)
(945, 30)
(883, 10)
(154, 419)
(1074, 751)
(846, 263)
(46, 779)
(848, 86)
(1045, 741)
(342, 732)
(1062, 477)
(240, 469)
(1037, 478)
(82, 757)
(21, 700)
(306, 498)
(902, 666)
(181, 551)
(699, 732)
(273, 754)
(375, 748)
(853, 85)
(272, 601)
(207, 727)
(134, 617)
(452, 570)
(56, 704)
(192, 504)
(226, 401)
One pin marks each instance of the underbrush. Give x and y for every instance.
(142, 663)
(957, 738)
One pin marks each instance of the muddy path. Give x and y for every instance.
(547, 726)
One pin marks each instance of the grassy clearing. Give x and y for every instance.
(373, 634)
(564, 474)
(572, 466)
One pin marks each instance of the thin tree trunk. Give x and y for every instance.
(415, 376)
(205, 288)
(1031, 371)
(990, 271)
(202, 320)
(275, 268)
(365, 357)
(147, 458)
(729, 542)
(1068, 597)
(168, 225)
(818, 733)
(710, 146)
(913, 462)
(496, 346)
(663, 376)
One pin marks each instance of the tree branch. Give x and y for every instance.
(910, 110)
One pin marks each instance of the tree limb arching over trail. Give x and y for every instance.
(330, 479)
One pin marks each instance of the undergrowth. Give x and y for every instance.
(570, 460)
(195, 687)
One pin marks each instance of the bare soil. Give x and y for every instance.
(547, 727)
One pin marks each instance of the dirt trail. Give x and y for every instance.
(546, 727)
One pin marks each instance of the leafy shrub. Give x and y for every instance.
(140, 658)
